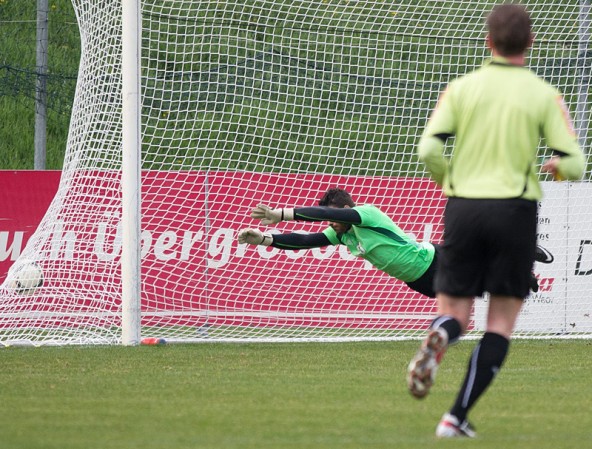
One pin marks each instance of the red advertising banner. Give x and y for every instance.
(25, 196)
(192, 266)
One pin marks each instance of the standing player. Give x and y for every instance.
(497, 114)
(365, 230)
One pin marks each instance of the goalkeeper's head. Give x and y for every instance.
(336, 197)
(509, 29)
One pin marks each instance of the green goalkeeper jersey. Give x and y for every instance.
(498, 115)
(382, 243)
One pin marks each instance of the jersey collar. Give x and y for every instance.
(500, 60)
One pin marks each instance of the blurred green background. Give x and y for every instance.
(286, 85)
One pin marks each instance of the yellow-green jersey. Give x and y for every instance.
(498, 114)
(382, 243)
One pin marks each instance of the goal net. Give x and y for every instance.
(274, 102)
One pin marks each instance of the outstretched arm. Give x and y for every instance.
(283, 241)
(269, 216)
(300, 241)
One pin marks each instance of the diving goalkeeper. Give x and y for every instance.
(366, 231)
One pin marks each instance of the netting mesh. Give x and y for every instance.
(274, 102)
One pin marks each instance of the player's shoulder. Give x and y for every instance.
(550, 90)
(537, 81)
(459, 85)
(369, 210)
(529, 80)
(542, 93)
(365, 207)
(521, 76)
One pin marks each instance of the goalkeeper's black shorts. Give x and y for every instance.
(425, 283)
(489, 246)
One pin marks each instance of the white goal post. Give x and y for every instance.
(189, 113)
(131, 178)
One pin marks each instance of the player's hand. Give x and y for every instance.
(254, 237)
(268, 216)
(551, 166)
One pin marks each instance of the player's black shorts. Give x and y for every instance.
(489, 246)
(425, 283)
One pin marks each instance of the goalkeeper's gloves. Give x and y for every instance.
(268, 216)
(254, 237)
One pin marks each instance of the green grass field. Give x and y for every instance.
(301, 395)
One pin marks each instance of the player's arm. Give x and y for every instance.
(300, 241)
(431, 153)
(323, 213)
(269, 216)
(568, 161)
(283, 241)
(440, 127)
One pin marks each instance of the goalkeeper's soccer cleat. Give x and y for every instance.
(422, 368)
(449, 427)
